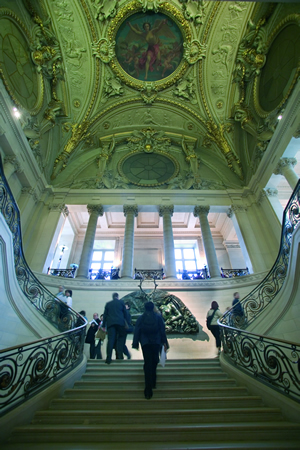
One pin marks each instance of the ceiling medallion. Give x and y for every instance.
(281, 70)
(21, 79)
(149, 46)
(148, 168)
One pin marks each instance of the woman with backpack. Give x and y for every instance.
(150, 333)
(212, 323)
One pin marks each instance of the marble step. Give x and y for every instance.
(156, 416)
(161, 384)
(174, 393)
(202, 433)
(135, 376)
(243, 401)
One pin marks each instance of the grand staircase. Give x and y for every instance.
(195, 406)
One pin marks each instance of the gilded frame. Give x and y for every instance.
(137, 7)
(40, 82)
(289, 20)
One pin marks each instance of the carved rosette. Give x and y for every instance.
(97, 209)
(201, 210)
(130, 209)
(166, 209)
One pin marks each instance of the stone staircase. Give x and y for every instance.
(195, 406)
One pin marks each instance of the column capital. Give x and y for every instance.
(201, 209)
(13, 160)
(61, 207)
(166, 209)
(271, 192)
(130, 209)
(236, 209)
(95, 208)
(283, 164)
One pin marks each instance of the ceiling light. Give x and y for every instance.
(17, 113)
(279, 117)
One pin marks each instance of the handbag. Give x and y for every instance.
(101, 334)
(209, 320)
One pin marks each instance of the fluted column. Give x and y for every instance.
(166, 212)
(209, 247)
(285, 168)
(130, 212)
(87, 251)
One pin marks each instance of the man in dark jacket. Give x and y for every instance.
(150, 332)
(114, 321)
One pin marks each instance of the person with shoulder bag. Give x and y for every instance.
(212, 323)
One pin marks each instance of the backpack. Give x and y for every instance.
(149, 324)
(209, 320)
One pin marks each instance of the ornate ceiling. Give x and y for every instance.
(137, 94)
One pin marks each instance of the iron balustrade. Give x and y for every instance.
(270, 360)
(65, 273)
(200, 274)
(29, 368)
(95, 274)
(148, 274)
(233, 273)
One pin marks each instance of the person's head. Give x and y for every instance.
(82, 313)
(214, 305)
(61, 288)
(95, 316)
(101, 317)
(115, 296)
(146, 26)
(127, 306)
(68, 293)
(236, 295)
(149, 306)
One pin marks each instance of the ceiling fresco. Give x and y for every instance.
(179, 95)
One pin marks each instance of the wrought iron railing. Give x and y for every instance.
(112, 274)
(28, 368)
(200, 274)
(148, 274)
(233, 273)
(65, 273)
(268, 359)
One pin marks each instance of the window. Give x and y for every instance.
(103, 257)
(186, 256)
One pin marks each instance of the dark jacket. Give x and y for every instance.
(237, 308)
(90, 336)
(157, 338)
(114, 313)
(130, 328)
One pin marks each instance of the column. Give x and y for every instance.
(210, 251)
(130, 212)
(248, 237)
(272, 195)
(10, 166)
(166, 212)
(87, 251)
(46, 236)
(285, 168)
(26, 203)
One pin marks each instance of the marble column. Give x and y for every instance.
(272, 195)
(87, 251)
(166, 212)
(209, 247)
(130, 212)
(285, 168)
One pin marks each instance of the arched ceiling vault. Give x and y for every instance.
(136, 93)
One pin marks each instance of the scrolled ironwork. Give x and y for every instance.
(29, 368)
(233, 273)
(148, 274)
(270, 360)
(65, 273)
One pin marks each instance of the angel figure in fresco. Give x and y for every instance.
(150, 35)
